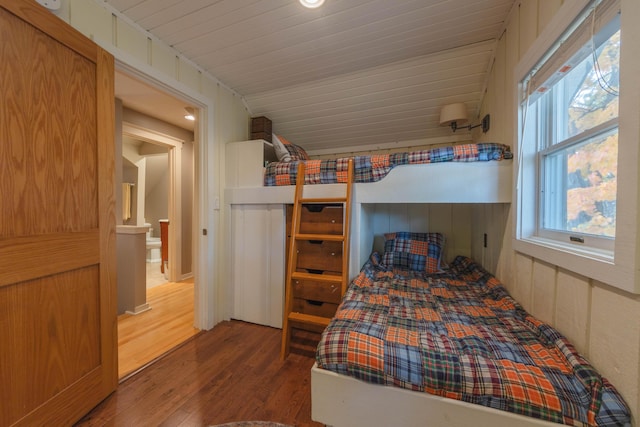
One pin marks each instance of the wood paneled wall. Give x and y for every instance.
(603, 323)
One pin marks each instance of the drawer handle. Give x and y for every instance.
(313, 302)
(313, 271)
(315, 242)
(333, 221)
(333, 254)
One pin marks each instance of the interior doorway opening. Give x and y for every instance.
(147, 163)
(158, 159)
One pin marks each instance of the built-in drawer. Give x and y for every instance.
(319, 256)
(318, 219)
(321, 219)
(315, 308)
(317, 291)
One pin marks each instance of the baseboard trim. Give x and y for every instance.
(139, 309)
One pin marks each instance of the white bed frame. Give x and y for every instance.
(446, 182)
(342, 401)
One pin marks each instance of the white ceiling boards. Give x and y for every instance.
(352, 72)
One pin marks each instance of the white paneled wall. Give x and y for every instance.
(573, 300)
(387, 218)
(492, 220)
(603, 323)
(464, 232)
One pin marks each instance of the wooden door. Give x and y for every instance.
(58, 356)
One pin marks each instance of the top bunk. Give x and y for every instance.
(469, 173)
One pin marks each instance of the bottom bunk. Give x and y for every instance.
(447, 346)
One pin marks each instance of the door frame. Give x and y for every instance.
(175, 191)
(206, 313)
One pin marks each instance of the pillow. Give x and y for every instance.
(295, 151)
(413, 251)
(281, 152)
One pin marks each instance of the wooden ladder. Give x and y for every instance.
(290, 317)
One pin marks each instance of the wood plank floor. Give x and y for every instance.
(230, 373)
(144, 337)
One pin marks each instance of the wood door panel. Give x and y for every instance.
(48, 179)
(27, 258)
(57, 220)
(49, 349)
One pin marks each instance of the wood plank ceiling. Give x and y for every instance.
(350, 73)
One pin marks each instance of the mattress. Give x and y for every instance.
(375, 167)
(458, 334)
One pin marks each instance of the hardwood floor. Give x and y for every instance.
(230, 373)
(144, 337)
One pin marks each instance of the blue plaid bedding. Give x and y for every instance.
(459, 334)
(374, 168)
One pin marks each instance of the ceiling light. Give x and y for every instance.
(189, 114)
(312, 4)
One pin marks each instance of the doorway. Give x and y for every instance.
(147, 164)
(158, 163)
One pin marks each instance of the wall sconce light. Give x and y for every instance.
(456, 114)
(189, 114)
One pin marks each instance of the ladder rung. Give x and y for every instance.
(309, 319)
(327, 201)
(329, 237)
(331, 278)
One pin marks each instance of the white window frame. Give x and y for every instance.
(604, 244)
(618, 268)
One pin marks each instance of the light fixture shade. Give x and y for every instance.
(189, 113)
(312, 4)
(453, 113)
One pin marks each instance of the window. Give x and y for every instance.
(574, 132)
(578, 143)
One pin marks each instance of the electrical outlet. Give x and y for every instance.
(50, 4)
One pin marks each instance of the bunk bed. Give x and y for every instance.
(339, 399)
(463, 173)
(414, 344)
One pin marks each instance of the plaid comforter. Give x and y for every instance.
(374, 168)
(460, 335)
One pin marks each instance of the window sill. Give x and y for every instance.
(577, 249)
(596, 264)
